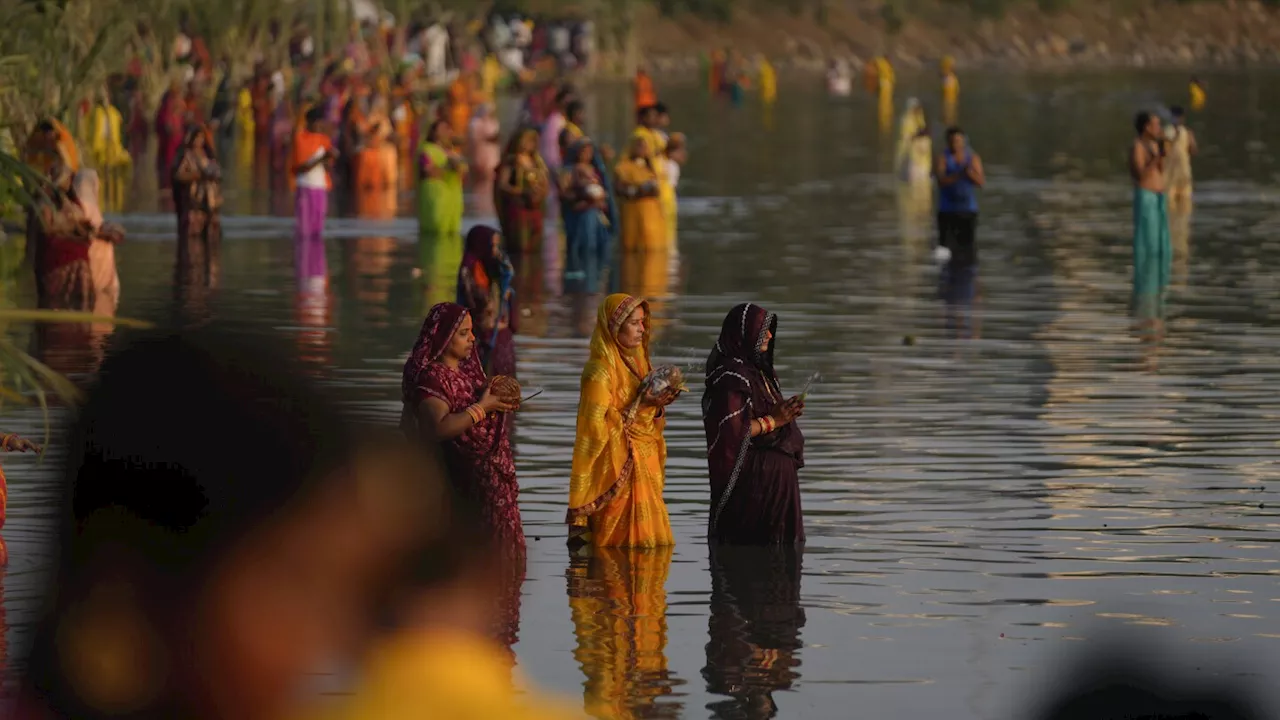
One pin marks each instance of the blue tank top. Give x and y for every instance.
(958, 197)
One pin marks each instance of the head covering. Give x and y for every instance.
(605, 347)
(479, 255)
(948, 63)
(438, 329)
(738, 348)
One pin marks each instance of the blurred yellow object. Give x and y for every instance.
(107, 145)
(768, 82)
(1197, 96)
(439, 674)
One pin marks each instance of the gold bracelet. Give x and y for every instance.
(480, 414)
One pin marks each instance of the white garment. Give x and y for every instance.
(317, 177)
(673, 173)
(437, 44)
(559, 40)
(522, 34)
(307, 47)
(181, 46)
(512, 59)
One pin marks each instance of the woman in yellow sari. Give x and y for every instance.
(620, 456)
(644, 227)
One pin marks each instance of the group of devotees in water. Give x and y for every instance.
(454, 396)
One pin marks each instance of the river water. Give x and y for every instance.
(992, 487)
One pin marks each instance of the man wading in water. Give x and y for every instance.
(1151, 250)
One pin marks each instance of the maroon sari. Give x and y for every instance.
(480, 462)
(755, 485)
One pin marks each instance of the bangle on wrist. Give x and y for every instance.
(477, 414)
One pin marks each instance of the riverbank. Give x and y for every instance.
(1132, 33)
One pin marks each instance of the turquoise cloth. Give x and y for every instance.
(1152, 253)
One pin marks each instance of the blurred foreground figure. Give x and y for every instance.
(439, 659)
(1116, 682)
(224, 534)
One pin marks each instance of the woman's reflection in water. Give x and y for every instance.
(367, 262)
(618, 600)
(438, 263)
(1180, 242)
(960, 293)
(754, 628)
(314, 314)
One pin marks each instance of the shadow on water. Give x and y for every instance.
(976, 502)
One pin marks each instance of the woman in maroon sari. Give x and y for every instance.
(484, 289)
(754, 448)
(448, 399)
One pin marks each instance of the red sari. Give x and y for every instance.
(521, 213)
(169, 121)
(480, 460)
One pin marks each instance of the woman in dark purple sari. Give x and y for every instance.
(754, 448)
(484, 289)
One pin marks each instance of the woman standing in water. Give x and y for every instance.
(620, 456)
(521, 190)
(197, 197)
(754, 448)
(584, 202)
(440, 173)
(644, 228)
(313, 159)
(484, 289)
(915, 147)
(448, 399)
(65, 226)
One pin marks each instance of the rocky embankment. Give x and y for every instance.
(1133, 33)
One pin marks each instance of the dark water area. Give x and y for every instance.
(995, 483)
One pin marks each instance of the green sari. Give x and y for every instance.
(439, 200)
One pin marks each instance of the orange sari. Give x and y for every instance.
(458, 107)
(620, 456)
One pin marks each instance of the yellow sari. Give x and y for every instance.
(644, 225)
(618, 601)
(620, 456)
(666, 193)
(442, 674)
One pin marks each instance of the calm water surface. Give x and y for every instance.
(991, 487)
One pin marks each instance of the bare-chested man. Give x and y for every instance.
(1151, 250)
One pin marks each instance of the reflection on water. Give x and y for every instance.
(754, 629)
(1032, 472)
(618, 599)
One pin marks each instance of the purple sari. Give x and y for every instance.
(755, 485)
